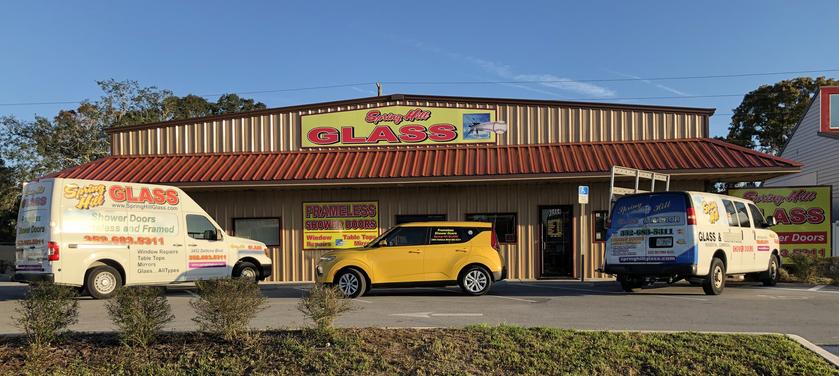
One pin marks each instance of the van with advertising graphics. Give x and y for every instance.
(101, 235)
(696, 236)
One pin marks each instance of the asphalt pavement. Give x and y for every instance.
(808, 311)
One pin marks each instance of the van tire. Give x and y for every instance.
(630, 286)
(771, 275)
(715, 281)
(246, 269)
(102, 282)
(351, 283)
(475, 280)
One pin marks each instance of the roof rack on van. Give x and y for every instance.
(619, 171)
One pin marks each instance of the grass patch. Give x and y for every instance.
(482, 350)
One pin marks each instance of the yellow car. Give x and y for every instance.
(418, 254)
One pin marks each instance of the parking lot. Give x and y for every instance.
(810, 312)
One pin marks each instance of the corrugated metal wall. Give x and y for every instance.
(529, 124)
(522, 258)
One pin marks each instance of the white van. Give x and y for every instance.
(100, 235)
(697, 236)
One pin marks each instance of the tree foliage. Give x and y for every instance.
(767, 115)
(33, 148)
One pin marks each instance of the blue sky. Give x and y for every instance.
(56, 50)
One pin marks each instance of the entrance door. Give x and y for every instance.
(557, 240)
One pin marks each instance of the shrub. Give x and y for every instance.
(805, 268)
(139, 313)
(225, 307)
(46, 312)
(324, 304)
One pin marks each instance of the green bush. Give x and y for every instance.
(324, 304)
(225, 307)
(46, 312)
(139, 313)
(815, 270)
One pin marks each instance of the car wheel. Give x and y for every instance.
(351, 283)
(246, 270)
(475, 280)
(715, 282)
(102, 282)
(771, 276)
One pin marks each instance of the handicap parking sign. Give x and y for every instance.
(582, 194)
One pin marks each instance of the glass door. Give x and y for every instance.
(557, 240)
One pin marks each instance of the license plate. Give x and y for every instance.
(661, 242)
(33, 255)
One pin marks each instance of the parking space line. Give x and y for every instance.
(194, 295)
(816, 288)
(802, 290)
(616, 293)
(512, 298)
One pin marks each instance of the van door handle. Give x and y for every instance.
(177, 245)
(192, 245)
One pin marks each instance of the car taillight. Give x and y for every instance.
(53, 251)
(691, 216)
(494, 240)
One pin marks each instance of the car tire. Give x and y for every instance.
(246, 269)
(772, 274)
(102, 282)
(475, 280)
(351, 283)
(715, 281)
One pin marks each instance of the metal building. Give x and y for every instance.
(269, 174)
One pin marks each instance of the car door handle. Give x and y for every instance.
(414, 252)
(460, 250)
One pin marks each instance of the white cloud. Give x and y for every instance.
(656, 84)
(506, 72)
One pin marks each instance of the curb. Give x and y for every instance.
(833, 359)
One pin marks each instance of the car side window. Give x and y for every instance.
(403, 236)
(742, 214)
(448, 235)
(757, 215)
(731, 213)
(197, 227)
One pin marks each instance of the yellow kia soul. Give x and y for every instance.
(418, 254)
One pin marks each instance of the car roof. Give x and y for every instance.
(448, 224)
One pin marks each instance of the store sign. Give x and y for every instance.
(400, 125)
(338, 225)
(802, 214)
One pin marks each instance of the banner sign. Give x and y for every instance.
(338, 225)
(802, 214)
(400, 125)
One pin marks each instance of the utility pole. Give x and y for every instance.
(379, 89)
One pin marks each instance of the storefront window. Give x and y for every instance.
(407, 218)
(504, 223)
(600, 227)
(266, 230)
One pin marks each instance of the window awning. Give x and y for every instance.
(700, 158)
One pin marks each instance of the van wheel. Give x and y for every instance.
(771, 275)
(246, 270)
(630, 285)
(102, 282)
(351, 283)
(715, 282)
(475, 280)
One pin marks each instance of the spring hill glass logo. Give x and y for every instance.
(89, 196)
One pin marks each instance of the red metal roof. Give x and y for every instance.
(463, 161)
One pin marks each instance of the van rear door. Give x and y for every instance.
(32, 242)
(650, 229)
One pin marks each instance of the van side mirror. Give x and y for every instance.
(210, 235)
(770, 221)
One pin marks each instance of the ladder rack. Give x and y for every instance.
(619, 171)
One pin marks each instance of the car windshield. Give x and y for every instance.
(375, 241)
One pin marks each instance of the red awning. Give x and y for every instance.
(462, 162)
